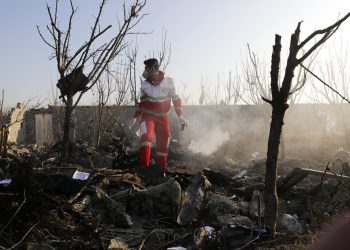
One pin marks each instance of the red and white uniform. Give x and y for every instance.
(153, 108)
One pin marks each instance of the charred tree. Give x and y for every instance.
(91, 57)
(279, 105)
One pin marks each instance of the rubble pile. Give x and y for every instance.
(99, 201)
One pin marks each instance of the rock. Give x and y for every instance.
(289, 224)
(117, 244)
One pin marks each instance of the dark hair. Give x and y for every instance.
(152, 62)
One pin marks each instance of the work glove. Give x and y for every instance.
(183, 122)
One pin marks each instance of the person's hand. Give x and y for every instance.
(183, 122)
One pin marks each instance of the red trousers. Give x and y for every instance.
(159, 125)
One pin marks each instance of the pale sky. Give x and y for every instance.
(207, 37)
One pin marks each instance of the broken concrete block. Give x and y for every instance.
(16, 129)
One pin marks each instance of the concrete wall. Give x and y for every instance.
(309, 123)
(17, 124)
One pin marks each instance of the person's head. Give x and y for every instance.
(151, 69)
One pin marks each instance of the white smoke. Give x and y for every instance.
(210, 141)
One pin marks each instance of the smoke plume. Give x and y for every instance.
(209, 143)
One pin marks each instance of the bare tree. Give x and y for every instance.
(216, 92)
(203, 97)
(133, 75)
(104, 89)
(56, 105)
(227, 90)
(113, 89)
(163, 55)
(233, 91)
(90, 56)
(255, 79)
(279, 105)
(185, 96)
(3, 127)
(334, 72)
(257, 84)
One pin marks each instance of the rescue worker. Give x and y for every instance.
(157, 93)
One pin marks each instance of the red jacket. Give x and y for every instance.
(155, 98)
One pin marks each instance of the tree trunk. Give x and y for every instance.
(270, 196)
(66, 127)
(283, 147)
(279, 106)
(99, 125)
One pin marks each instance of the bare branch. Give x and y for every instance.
(85, 46)
(68, 34)
(43, 38)
(323, 31)
(72, 78)
(324, 83)
(93, 30)
(327, 33)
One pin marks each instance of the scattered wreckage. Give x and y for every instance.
(95, 202)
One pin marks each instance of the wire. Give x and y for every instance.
(324, 83)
